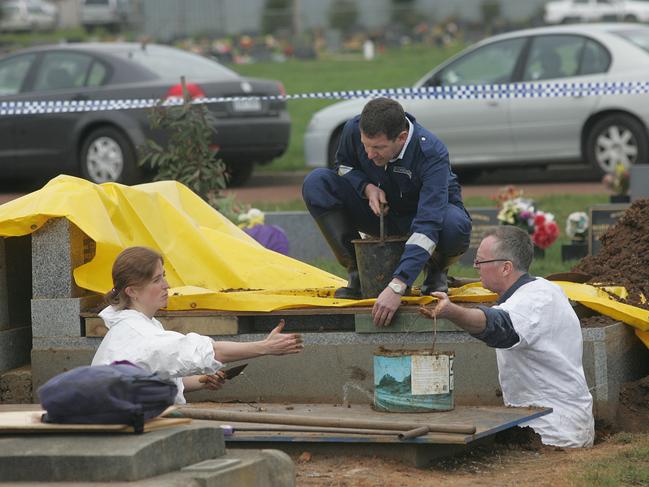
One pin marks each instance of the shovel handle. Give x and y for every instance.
(381, 222)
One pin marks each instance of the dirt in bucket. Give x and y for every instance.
(623, 259)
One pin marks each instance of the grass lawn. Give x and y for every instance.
(629, 466)
(560, 205)
(392, 69)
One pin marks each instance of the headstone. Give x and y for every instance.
(306, 242)
(483, 219)
(602, 217)
(574, 251)
(639, 181)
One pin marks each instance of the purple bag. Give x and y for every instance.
(119, 393)
(270, 236)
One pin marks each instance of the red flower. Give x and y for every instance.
(545, 234)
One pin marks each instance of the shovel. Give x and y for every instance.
(382, 222)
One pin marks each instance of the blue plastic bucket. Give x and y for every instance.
(413, 381)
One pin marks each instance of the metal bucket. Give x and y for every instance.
(413, 381)
(377, 261)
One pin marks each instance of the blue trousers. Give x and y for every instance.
(323, 191)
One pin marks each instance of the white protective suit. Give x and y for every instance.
(143, 341)
(545, 367)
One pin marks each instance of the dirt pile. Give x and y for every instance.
(623, 259)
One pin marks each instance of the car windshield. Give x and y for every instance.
(639, 37)
(169, 63)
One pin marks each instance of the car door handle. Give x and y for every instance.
(493, 103)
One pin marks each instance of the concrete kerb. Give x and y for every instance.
(14, 347)
(191, 454)
(58, 317)
(58, 247)
(106, 457)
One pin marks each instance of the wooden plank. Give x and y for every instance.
(215, 324)
(308, 437)
(282, 312)
(30, 422)
(403, 322)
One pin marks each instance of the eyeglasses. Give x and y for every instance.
(478, 263)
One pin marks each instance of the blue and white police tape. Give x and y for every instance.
(460, 92)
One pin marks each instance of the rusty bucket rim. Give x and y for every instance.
(384, 352)
(376, 240)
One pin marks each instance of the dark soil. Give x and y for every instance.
(623, 259)
(597, 321)
(633, 410)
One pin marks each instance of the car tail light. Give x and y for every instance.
(193, 89)
(282, 90)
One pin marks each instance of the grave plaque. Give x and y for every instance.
(483, 219)
(602, 217)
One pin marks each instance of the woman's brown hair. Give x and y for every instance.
(134, 266)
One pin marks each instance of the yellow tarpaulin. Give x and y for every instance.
(210, 262)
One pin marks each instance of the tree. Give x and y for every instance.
(404, 13)
(491, 11)
(343, 14)
(187, 156)
(277, 15)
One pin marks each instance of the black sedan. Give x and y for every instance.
(103, 146)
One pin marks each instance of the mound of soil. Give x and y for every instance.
(623, 259)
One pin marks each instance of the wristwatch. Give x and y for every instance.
(397, 287)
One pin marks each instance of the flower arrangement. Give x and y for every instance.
(519, 211)
(577, 226)
(617, 181)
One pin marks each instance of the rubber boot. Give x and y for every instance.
(339, 232)
(436, 270)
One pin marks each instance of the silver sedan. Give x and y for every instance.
(603, 130)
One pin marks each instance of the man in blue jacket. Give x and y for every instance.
(387, 160)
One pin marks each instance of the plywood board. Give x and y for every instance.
(214, 324)
(487, 420)
(16, 422)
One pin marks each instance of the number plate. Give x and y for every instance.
(246, 105)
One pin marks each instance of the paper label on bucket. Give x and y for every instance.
(430, 374)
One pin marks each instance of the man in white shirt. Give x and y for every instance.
(537, 337)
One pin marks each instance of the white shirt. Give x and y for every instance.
(143, 341)
(405, 145)
(545, 367)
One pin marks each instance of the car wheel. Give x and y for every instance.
(333, 147)
(107, 155)
(239, 172)
(616, 139)
(630, 18)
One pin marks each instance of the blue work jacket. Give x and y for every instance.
(419, 186)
